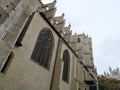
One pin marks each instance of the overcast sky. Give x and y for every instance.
(100, 19)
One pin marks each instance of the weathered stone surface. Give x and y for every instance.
(23, 73)
(3, 15)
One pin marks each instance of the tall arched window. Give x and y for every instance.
(66, 66)
(43, 48)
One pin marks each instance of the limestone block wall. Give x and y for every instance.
(85, 51)
(81, 77)
(9, 5)
(24, 73)
(58, 83)
(57, 68)
(63, 85)
(68, 34)
(74, 73)
(67, 37)
(12, 24)
(3, 15)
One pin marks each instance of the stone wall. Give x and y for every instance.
(12, 24)
(23, 72)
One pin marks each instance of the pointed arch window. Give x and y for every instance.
(66, 66)
(43, 48)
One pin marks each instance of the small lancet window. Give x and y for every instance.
(78, 39)
(21, 36)
(66, 66)
(43, 48)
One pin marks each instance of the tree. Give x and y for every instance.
(108, 83)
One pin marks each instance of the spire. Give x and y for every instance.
(50, 5)
(60, 26)
(63, 14)
(59, 19)
(69, 26)
(67, 30)
(48, 8)
(50, 13)
(68, 34)
(110, 69)
(75, 33)
(55, 1)
(105, 73)
(108, 74)
(117, 69)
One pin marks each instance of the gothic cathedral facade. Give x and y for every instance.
(38, 52)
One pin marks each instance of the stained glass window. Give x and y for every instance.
(43, 49)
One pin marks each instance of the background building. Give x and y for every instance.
(38, 52)
(113, 73)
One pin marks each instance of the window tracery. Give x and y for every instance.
(43, 49)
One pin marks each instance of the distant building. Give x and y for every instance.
(38, 52)
(114, 73)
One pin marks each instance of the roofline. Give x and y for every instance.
(42, 14)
